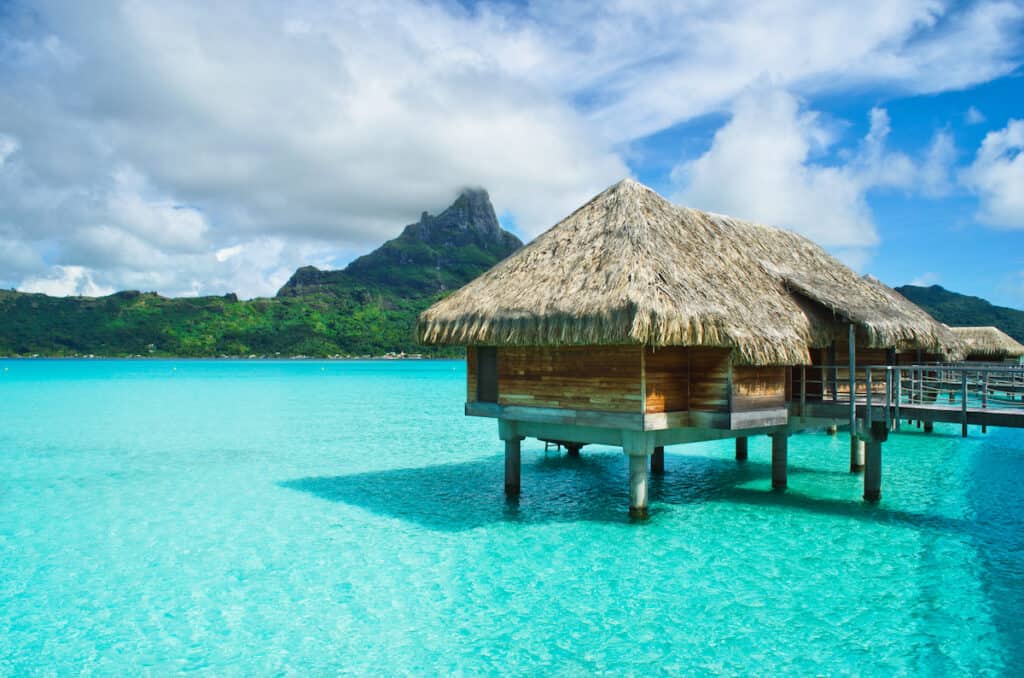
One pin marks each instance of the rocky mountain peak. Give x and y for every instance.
(435, 254)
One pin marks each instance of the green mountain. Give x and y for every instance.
(369, 308)
(433, 256)
(960, 309)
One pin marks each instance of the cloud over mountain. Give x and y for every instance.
(141, 141)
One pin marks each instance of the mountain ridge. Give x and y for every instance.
(434, 255)
(368, 308)
(958, 309)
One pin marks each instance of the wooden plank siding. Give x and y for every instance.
(666, 379)
(837, 381)
(758, 388)
(602, 378)
(471, 374)
(710, 372)
(631, 380)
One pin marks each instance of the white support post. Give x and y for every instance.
(855, 465)
(984, 398)
(899, 395)
(963, 403)
(637, 486)
(867, 396)
(638, 446)
(888, 398)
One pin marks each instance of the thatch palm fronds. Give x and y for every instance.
(989, 342)
(629, 267)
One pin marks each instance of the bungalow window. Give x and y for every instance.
(487, 374)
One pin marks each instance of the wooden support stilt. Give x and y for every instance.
(741, 448)
(873, 470)
(831, 429)
(573, 450)
(658, 461)
(780, 447)
(637, 486)
(512, 464)
(984, 398)
(929, 426)
(856, 454)
(856, 447)
(963, 403)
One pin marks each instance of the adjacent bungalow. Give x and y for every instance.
(989, 344)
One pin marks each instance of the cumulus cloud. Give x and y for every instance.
(926, 279)
(765, 164)
(8, 145)
(997, 176)
(144, 141)
(973, 116)
(66, 281)
(652, 65)
(936, 176)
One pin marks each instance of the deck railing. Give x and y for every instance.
(884, 390)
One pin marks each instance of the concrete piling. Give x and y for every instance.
(856, 454)
(741, 448)
(658, 461)
(512, 466)
(780, 447)
(637, 486)
(873, 471)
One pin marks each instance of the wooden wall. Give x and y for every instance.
(603, 378)
(838, 380)
(667, 379)
(470, 374)
(758, 388)
(709, 379)
(610, 378)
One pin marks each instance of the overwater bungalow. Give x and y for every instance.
(989, 344)
(638, 323)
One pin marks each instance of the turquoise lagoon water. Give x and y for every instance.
(262, 518)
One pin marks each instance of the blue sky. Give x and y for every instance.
(191, 148)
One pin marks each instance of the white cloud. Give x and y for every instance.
(997, 176)
(765, 164)
(760, 165)
(925, 279)
(152, 136)
(973, 116)
(66, 281)
(936, 172)
(8, 145)
(648, 66)
(226, 253)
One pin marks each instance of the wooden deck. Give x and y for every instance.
(966, 394)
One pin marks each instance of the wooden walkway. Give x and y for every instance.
(984, 394)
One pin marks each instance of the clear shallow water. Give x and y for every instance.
(238, 518)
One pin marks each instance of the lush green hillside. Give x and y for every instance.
(959, 309)
(131, 323)
(370, 308)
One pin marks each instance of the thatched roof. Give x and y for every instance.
(989, 342)
(629, 267)
(951, 346)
